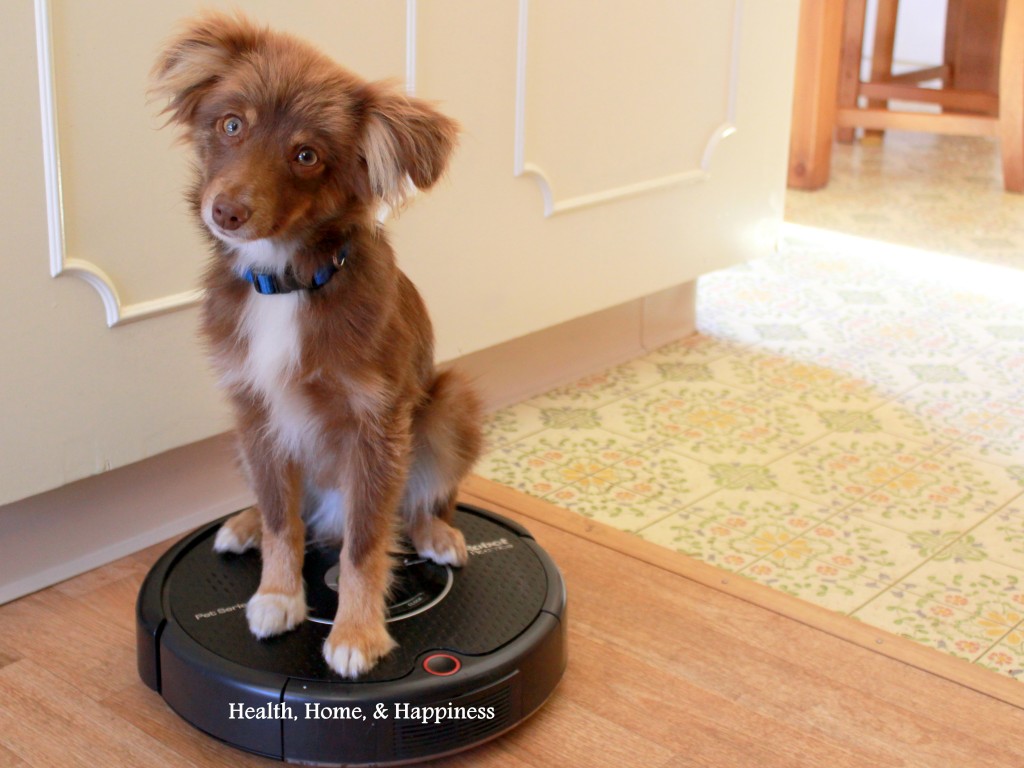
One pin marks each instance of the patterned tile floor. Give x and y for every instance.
(847, 424)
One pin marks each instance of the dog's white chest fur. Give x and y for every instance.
(271, 327)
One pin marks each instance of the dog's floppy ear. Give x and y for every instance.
(197, 58)
(404, 136)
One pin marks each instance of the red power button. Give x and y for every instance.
(442, 664)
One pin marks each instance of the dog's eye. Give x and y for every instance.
(307, 157)
(232, 125)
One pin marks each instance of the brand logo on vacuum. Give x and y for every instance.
(219, 611)
(486, 547)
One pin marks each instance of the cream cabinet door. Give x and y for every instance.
(610, 149)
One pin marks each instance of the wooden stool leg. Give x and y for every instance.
(849, 62)
(881, 57)
(1011, 97)
(814, 93)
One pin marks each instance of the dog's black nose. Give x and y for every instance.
(228, 214)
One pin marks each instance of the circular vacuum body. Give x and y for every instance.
(480, 648)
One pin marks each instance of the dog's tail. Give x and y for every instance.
(446, 443)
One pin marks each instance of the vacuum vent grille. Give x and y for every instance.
(415, 738)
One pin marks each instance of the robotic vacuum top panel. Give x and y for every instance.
(500, 594)
(489, 637)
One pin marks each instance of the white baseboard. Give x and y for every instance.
(51, 537)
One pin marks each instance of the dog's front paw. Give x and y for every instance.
(351, 652)
(442, 543)
(271, 613)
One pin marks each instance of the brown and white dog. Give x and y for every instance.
(322, 344)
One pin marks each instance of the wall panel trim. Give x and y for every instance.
(117, 312)
(552, 206)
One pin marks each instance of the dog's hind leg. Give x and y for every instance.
(244, 530)
(446, 435)
(240, 532)
(434, 537)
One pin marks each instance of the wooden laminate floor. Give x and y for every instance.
(665, 669)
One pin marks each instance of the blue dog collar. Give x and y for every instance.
(269, 283)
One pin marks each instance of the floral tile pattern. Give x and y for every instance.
(937, 624)
(938, 414)
(814, 580)
(843, 468)
(508, 425)
(1000, 538)
(940, 493)
(599, 388)
(1006, 658)
(847, 426)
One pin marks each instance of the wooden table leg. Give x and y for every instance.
(814, 96)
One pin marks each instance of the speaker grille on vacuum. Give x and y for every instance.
(413, 738)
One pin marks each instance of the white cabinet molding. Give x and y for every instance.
(61, 263)
(553, 205)
(117, 312)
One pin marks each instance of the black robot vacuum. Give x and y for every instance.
(480, 649)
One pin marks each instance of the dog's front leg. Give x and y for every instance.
(280, 602)
(374, 474)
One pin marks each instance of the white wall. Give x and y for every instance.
(920, 30)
